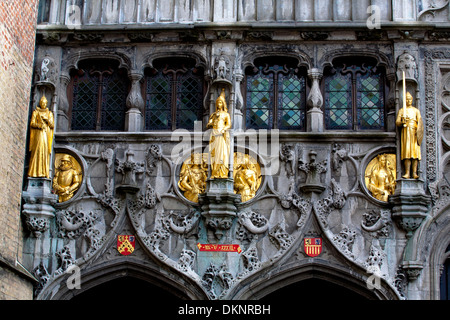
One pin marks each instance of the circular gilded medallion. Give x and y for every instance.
(247, 176)
(380, 176)
(68, 176)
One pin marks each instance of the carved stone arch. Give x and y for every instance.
(249, 56)
(180, 286)
(324, 270)
(430, 243)
(72, 61)
(199, 58)
(381, 58)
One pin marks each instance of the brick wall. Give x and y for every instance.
(17, 41)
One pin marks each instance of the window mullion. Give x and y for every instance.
(173, 102)
(354, 102)
(98, 125)
(275, 101)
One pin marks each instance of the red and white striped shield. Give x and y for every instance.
(313, 246)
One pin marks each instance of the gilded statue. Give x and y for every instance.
(247, 176)
(380, 176)
(219, 143)
(410, 121)
(68, 176)
(41, 138)
(193, 176)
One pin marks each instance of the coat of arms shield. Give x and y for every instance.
(125, 244)
(313, 246)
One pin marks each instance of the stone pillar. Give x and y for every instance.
(63, 106)
(238, 119)
(410, 206)
(135, 104)
(314, 115)
(39, 211)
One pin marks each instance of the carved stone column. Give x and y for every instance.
(135, 104)
(238, 115)
(63, 106)
(39, 212)
(38, 208)
(218, 205)
(314, 115)
(409, 208)
(410, 205)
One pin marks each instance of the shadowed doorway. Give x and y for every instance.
(131, 288)
(317, 289)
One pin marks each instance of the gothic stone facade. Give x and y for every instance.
(312, 167)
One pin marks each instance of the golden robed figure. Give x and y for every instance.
(410, 121)
(219, 143)
(41, 138)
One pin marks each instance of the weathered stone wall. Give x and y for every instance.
(17, 39)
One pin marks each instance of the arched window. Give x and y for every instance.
(99, 92)
(355, 95)
(174, 95)
(275, 95)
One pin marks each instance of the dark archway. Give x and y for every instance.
(134, 289)
(125, 279)
(314, 290)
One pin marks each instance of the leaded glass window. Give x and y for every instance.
(174, 96)
(354, 97)
(260, 94)
(99, 93)
(275, 97)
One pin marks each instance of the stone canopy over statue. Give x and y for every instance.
(411, 124)
(219, 142)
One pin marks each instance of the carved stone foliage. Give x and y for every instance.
(134, 190)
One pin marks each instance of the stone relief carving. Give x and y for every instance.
(172, 234)
(431, 9)
(280, 238)
(217, 281)
(48, 70)
(406, 62)
(65, 260)
(221, 67)
(288, 156)
(377, 222)
(344, 241)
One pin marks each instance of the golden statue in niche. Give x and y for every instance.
(219, 143)
(247, 176)
(41, 139)
(68, 176)
(380, 176)
(410, 121)
(193, 176)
